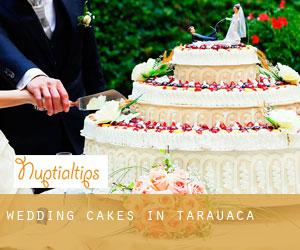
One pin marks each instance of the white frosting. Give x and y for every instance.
(3, 142)
(6, 167)
(253, 172)
(212, 57)
(288, 94)
(191, 141)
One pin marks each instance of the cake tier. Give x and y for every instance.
(193, 55)
(215, 65)
(247, 95)
(187, 137)
(209, 116)
(160, 103)
(238, 159)
(255, 172)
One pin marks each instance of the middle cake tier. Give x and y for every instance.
(206, 105)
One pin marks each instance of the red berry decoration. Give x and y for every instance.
(199, 131)
(239, 125)
(223, 126)
(172, 128)
(121, 124)
(205, 127)
(260, 85)
(250, 124)
(212, 88)
(216, 47)
(214, 130)
(229, 129)
(150, 126)
(197, 85)
(139, 126)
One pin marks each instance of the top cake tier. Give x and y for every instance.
(215, 63)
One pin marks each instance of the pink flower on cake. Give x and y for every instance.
(164, 178)
(180, 174)
(179, 182)
(159, 178)
(197, 188)
(255, 39)
(178, 187)
(143, 186)
(263, 17)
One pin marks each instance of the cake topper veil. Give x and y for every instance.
(242, 22)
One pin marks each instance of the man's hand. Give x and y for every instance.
(50, 94)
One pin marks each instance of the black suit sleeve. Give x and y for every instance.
(13, 64)
(92, 71)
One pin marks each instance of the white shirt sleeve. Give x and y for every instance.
(28, 76)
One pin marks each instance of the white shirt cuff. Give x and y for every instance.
(28, 76)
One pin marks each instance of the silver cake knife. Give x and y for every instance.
(82, 102)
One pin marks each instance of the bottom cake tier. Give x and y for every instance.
(229, 172)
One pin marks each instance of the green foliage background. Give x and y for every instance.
(130, 31)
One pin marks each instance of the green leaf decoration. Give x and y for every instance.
(131, 185)
(274, 123)
(168, 164)
(131, 103)
(162, 70)
(122, 187)
(163, 151)
(86, 7)
(272, 73)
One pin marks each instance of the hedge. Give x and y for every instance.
(130, 31)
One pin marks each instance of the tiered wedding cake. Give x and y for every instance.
(210, 114)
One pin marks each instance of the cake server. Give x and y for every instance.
(82, 102)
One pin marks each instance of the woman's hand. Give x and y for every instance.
(28, 98)
(12, 98)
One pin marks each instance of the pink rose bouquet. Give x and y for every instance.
(165, 178)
